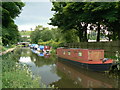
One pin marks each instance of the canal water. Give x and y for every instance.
(65, 74)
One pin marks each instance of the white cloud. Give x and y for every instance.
(33, 14)
(25, 27)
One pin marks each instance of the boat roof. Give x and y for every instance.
(80, 48)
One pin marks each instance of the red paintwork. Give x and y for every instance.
(46, 55)
(47, 47)
(90, 56)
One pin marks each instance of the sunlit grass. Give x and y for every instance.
(15, 75)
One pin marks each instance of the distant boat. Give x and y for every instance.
(41, 50)
(92, 59)
(41, 47)
(47, 48)
(40, 54)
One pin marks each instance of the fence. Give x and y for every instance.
(109, 47)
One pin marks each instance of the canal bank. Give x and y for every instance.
(16, 75)
(54, 72)
(9, 50)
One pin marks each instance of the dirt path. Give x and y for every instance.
(9, 50)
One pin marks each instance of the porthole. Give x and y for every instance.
(69, 53)
(63, 52)
(80, 54)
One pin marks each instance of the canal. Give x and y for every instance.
(64, 74)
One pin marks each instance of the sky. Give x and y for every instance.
(33, 14)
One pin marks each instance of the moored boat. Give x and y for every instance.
(47, 48)
(92, 59)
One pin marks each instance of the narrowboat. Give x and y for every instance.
(40, 48)
(41, 54)
(46, 55)
(92, 59)
(47, 48)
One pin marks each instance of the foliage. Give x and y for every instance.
(18, 75)
(4, 48)
(15, 75)
(10, 35)
(24, 39)
(74, 15)
(35, 35)
(52, 36)
(41, 33)
(18, 79)
(50, 43)
(10, 10)
(68, 11)
(25, 36)
(0, 31)
(0, 40)
(25, 32)
(70, 36)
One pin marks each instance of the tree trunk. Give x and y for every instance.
(114, 35)
(80, 32)
(98, 33)
(85, 34)
(118, 34)
(80, 35)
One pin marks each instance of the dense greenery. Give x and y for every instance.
(52, 37)
(10, 10)
(15, 75)
(102, 17)
(25, 32)
(18, 75)
(25, 36)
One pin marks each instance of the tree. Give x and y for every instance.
(105, 13)
(45, 34)
(10, 10)
(64, 19)
(74, 15)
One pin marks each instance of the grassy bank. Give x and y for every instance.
(15, 75)
(4, 48)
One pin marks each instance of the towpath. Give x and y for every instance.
(9, 50)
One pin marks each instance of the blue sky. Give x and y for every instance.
(33, 14)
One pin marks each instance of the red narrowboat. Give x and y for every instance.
(47, 48)
(92, 59)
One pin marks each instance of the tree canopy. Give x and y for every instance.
(10, 10)
(77, 15)
(42, 34)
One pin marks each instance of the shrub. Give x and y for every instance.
(15, 75)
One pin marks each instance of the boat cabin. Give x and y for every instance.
(81, 54)
(47, 47)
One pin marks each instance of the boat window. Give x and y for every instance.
(79, 53)
(69, 53)
(64, 52)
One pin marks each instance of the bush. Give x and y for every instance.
(15, 75)
(51, 43)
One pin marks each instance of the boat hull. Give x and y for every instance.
(93, 67)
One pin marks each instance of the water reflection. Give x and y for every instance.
(81, 78)
(26, 60)
(40, 66)
(64, 74)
